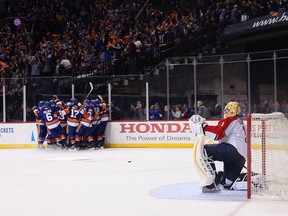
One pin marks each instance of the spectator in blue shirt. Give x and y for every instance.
(156, 112)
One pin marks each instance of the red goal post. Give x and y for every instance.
(267, 158)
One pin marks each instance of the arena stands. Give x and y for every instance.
(97, 35)
(112, 37)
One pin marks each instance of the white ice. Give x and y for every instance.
(157, 182)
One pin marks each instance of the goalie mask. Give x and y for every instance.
(231, 109)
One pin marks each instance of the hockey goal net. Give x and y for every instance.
(267, 156)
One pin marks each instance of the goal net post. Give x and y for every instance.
(267, 156)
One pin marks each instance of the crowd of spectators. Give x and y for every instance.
(159, 112)
(105, 37)
(266, 107)
(97, 34)
(207, 110)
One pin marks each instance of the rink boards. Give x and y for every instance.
(123, 134)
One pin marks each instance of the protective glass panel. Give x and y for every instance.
(89, 87)
(262, 82)
(282, 82)
(128, 100)
(208, 101)
(235, 83)
(43, 88)
(268, 82)
(158, 92)
(181, 86)
(14, 99)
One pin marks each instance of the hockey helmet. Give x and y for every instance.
(87, 102)
(47, 104)
(52, 102)
(231, 109)
(95, 102)
(41, 104)
(74, 101)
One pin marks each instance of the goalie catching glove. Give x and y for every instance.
(197, 119)
(197, 124)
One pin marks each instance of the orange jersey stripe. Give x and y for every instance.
(73, 120)
(85, 120)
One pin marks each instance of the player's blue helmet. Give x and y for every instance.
(52, 102)
(93, 102)
(47, 104)
(41, 104)
(74, 101)
(87, 102)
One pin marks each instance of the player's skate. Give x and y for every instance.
(220, 182)
(92, 145)
(74, 148)
(226, 186)
(41, 147)
(51, 146)
(101, 144)
(60, 144)
(213, 188)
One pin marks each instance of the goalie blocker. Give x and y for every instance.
(230, 148)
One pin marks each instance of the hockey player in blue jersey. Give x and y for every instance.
(50, 114)
(63, 117)
(96, 132)
(85, 126)
(104, 118)
(41, 127)
(73, 113)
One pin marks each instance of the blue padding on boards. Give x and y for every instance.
(191, 191)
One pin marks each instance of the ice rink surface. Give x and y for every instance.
(115, 182)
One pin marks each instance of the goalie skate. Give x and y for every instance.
(213, 188)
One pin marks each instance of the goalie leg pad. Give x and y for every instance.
(203, 163)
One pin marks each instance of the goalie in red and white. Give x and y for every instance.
(228, 140)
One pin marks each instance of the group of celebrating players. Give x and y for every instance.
(71, 125)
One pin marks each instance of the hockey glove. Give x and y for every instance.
(197, 128)
(197, 119)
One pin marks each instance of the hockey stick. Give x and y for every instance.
(100, 97)
(86, 97)
(91, 89)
